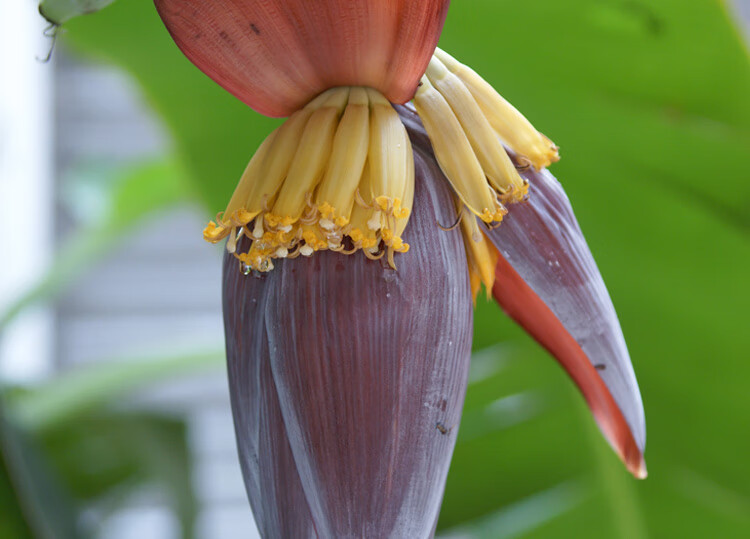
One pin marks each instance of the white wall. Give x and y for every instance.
(26, 212)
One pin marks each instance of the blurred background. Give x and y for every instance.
(115, 151)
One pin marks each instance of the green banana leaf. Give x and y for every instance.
(33, 501)
(104, 457)
(92, 463)
(66, 447)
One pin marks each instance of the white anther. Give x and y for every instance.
(232, 242)
(258, 229)
(282, 252)
(306, 250)
(326, 224)
(374, 222)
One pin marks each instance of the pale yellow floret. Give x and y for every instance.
(277, 162)
(481, 256)
(361, 233)
(402, 210)
(348, 156)
(214, 232)
(497, 166)
(311, 157)
(327, 211)
(515, 130)
(309, 189)
(391, 168)
(454, 153)
(252, 171)
(261, 180)
(314, 237)
(391, 157)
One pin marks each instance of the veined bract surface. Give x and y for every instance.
(348, 379)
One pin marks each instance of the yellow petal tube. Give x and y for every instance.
(455, 155)
(337, 175)
(310, 160)
(364, 224)
(481, 257)
(236, 215)
(514, 129)
(391, 172)
(497, 166)
(468, 124)
(334, 197)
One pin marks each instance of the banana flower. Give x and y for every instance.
(347, 304)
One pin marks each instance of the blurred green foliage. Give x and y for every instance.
(68, 448)
(33, 502)
(103, 457)
(109, 204)
(649, 103)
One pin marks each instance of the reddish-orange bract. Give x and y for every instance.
(276, 56)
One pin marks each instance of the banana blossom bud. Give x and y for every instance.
(347, 306)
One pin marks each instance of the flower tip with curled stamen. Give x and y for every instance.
(277, 55)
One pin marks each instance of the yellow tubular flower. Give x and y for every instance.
(339, 173)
